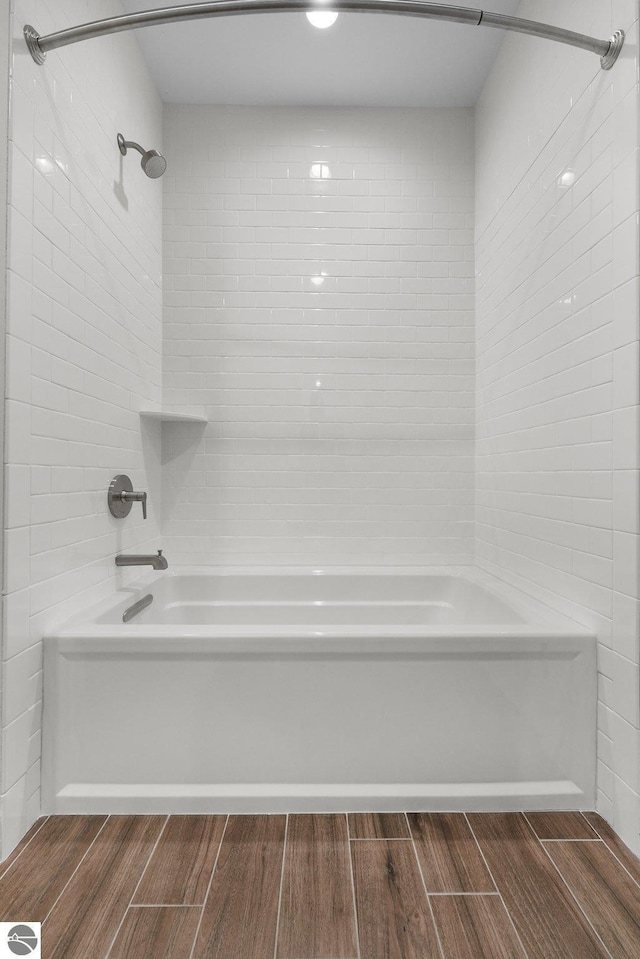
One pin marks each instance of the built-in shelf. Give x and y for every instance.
(174, 416)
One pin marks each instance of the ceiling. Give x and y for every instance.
(363, 60)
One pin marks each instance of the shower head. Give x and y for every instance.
(153, 163)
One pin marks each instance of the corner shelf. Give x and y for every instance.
(174, 416)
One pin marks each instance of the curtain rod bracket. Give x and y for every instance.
(617, 43)
(32, 36)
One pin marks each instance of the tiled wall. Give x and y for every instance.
(84, 350)
(5, 46)
(319, 306)
(557, 353)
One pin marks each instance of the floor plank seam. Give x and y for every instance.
(284, 853)
(204, 905)
(590, 825)
(616, 857)
(424, 886)
(383, 839)
(493, 880)
(353, 886)
(86, 853)
(571, 892)
(432, 895)
(133, 894)
(575, 899)
(3, 872)
(165, 905)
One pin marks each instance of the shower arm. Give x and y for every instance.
(124, 145)
(39, 46)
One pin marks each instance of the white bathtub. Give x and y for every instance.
(320, 690)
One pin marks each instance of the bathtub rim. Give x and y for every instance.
(540, 621)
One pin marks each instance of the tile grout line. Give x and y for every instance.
(424, 886)
(613, 853)
(353, 885)
(146, 866)
(609, 850)
(284, 853)
(164, 905)
(383, 839)
(3, 872)
(493, 880)
(592, 828)
(475, 895)
(570, 890)
(204, 904)
(87, 851)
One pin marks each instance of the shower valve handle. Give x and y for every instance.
(135, 497)
(121, 496)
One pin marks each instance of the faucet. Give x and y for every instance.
(135, 559)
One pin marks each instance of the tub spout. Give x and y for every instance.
(158, 562)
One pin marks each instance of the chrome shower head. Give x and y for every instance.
(153, 163)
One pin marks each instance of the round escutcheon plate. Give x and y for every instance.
(119, 484)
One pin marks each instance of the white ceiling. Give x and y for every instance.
(363, 60)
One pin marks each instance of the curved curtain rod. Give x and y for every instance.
(607, 50)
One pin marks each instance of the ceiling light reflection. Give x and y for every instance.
(568, 178)
(45, 165)
(322, 18)
(320, 171)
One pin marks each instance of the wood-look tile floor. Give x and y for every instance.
(362, 886)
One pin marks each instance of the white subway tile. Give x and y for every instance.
(626, 680)
(626, 376)
(557, 264)
(626, 626)
(84, 289)
(314, 291)
(21, 745)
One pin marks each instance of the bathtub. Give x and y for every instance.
(323, 690)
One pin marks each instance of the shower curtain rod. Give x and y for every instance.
(39, 46)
